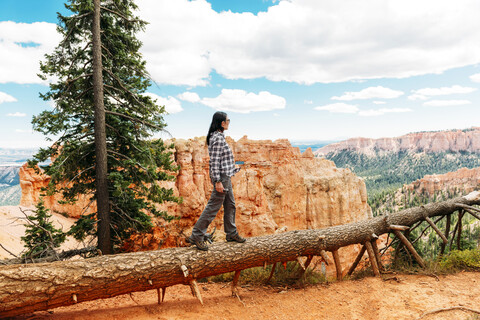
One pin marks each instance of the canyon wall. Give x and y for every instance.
(465, 180)
(452, 140)
(277, 189)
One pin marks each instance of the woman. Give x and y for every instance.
(222, 168)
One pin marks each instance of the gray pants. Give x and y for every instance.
(217, 199)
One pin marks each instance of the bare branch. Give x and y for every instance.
(7, 250)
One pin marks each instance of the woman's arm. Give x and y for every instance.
(216, 153)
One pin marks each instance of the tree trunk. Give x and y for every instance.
(103, 207)
(33, 287)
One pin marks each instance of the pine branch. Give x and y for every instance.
(70, 82)
(84, 92)
(108, 51)
(124, 156)
(120, 15)
(121, 83)
(146, 123)
(76, 56)
(89, 168)
(124, 213)
(72, 18)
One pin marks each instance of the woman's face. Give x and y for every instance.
(225, 123)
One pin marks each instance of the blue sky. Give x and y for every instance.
(294, 69)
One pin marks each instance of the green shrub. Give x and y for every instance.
(461, 260)
(41, 237)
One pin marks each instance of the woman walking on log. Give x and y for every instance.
(222, 168)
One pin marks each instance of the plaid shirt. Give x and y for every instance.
(221, 157)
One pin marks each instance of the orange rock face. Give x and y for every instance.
(454, 140)
(277, 188)
(463, 179)
(32, 184)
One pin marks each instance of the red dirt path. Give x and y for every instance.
(401, 297)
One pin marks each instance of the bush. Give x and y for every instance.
(461, 260)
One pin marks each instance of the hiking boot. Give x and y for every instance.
(236, 238)
(201, 245)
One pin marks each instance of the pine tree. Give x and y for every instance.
(41, 237)
(106, 151)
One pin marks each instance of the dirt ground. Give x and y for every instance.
(395, 297)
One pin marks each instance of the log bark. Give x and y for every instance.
(447, 233)
(357, 260)
(434, 226)
(377, 255)
(101, 165)
(410, 248)
(34, 287)
(372, 258)
(338, 266)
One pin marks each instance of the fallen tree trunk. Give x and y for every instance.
(34, 287)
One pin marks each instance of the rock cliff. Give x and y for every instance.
(277, 188)
(451, 140)
(465, 180)
(32, 184)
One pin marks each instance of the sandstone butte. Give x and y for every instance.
(452, 140)
(277, 189)
(466, 180)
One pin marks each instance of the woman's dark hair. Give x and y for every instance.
(218, 118)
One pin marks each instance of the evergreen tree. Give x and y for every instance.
(41, 237)
(103, 124)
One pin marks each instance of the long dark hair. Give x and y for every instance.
(218, 118)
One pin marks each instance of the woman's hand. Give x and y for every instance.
(219, 187)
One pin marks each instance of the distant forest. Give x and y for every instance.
(390, 171)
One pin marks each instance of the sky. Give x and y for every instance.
(303, 70)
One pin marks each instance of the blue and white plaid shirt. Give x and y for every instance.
(221, 157)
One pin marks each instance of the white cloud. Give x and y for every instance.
(446, 103)
(475, 77)
(16, 114)
(307, 41)
(417, 97)
(382, 111)
(370, 93)
(378, 102)
(245, 102)
(338, 108)
(22, 47)
(303, 41)
(171, 104)
(425, 93)
(189, 96)
(349, 108)
(308, 101)
(6, 97)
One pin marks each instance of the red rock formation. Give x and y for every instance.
(452, 140)
(32, 184)
(466, 180)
